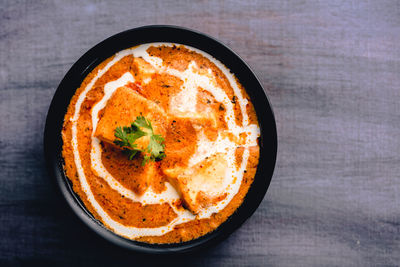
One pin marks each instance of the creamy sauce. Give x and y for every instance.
(183, 102)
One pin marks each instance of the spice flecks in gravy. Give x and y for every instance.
(210, 114)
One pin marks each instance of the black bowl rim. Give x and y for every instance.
(179, 35)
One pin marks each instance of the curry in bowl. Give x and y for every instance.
(160, 142)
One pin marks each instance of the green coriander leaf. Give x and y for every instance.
(132, 154)
(127, 130)
(121, 134)
(158, 138)
(143, 122)
(126, 137)
(119, 143)
(132, 137)
(146, 159)
(155, 146)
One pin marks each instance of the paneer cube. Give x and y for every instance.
(201, 185)
(122, 109)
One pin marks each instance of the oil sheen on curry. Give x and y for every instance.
(160, 142)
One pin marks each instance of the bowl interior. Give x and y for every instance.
(178, 35)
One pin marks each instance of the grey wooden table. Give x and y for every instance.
(332, 72)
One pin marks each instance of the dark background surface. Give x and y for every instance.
(332, 72)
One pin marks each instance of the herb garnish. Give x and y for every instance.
(126, 137)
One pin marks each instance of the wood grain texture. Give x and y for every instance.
(332, 72)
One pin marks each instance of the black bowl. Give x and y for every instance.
(73, 79)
